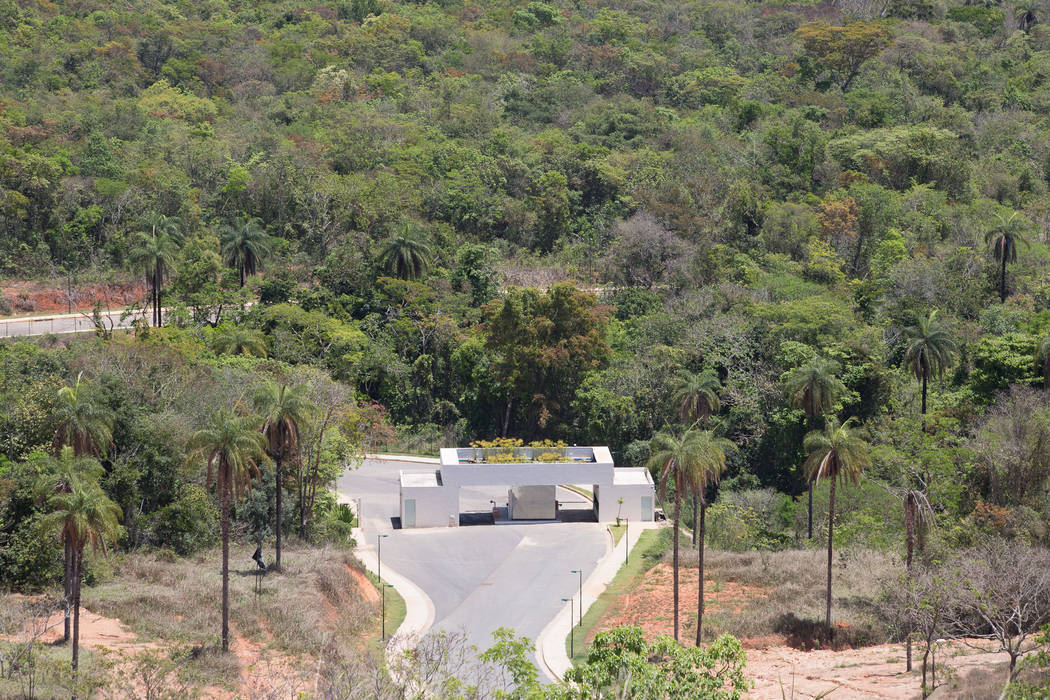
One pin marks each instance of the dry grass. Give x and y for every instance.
(315, 601)
(787, 590)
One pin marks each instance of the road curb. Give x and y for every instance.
(402, 458)
(550, 644)
(419, 609)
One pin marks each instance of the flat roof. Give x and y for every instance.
(631, 476)
(430, 477)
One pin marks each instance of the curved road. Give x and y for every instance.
(481, 577)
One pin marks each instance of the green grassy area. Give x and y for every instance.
(646, 554)
(587, 493)
(395, 615)
(618, 532)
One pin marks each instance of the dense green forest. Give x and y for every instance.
(548, 220)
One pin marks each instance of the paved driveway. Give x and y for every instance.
(479, 577)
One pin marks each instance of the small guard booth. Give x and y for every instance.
(430, 497)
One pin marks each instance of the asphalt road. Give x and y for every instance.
(59, 323)
(479, 577)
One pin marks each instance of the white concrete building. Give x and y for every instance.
(430, 498)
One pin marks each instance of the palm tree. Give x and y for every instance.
(82, 516)
(238, 340)
(1004, 237)
(283, 408)
(65, 472)
(930, 351)
(405, 256)
(231, 447)
(81, 421)
(696, 394)
(244, 245)
(1042, 356)
(838, 453)
(1024, 13)
(678, 460)
(84, 427)
(155, 250)
(814, 388)
(708, 470)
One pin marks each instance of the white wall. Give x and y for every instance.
(434, 505)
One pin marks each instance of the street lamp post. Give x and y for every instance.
(572, 631)
(383, 587)
(379, 557)
(626, 540)
(580, 572)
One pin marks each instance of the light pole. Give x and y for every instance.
(580, 572)
(626, 540)
(379, 557)
(572, 631)
(383, 587)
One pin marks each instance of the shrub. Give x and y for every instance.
(189, 523)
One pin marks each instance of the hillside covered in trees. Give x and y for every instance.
(590, 221)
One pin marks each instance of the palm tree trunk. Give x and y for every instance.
(1002, 280)
(909, 544)
(242, 276)
(226, 486)
(280, 511)
(700, 595)
(810, 518)
(67, 582)
(695, 514)
(157, 286)
(831, 532)
(78, 558)
(674, 564)
(506, 416)
(924, 402)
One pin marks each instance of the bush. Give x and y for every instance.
(189, 523)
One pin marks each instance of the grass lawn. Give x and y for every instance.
(617, 533)
(645, 555)
(395, 615)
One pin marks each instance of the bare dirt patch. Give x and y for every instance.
(755, 606)
(35, 298)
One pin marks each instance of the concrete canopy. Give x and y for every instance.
(431, 498)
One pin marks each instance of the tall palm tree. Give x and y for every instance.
(1042, 356)
(677, 460)
(63, 473)
(283, 408)
(707, 471)
(82, 516)
(1004, 237)
(84, 427)
(155, 250)
(244, 245)
(405, 256)
(238, 340)
(696, 394)
(930, 351)
(837, 453)
(231, 447)
(814, 388)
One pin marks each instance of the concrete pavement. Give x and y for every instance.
(550, 645)
(476, 578)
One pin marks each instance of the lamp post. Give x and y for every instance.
(572, 631)
(383, 587)
(626, 540)
(379, 557)
(580, 572)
